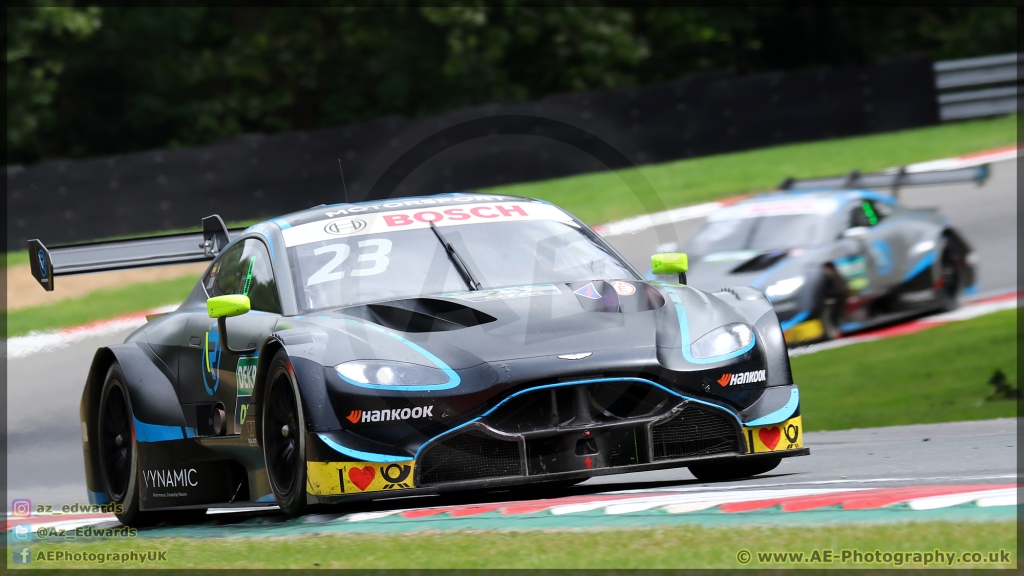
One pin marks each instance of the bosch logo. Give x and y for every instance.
(345, 227)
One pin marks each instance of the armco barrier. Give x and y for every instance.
(978, 87)
(256, 176)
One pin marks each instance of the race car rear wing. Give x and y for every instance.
(47, 263)
(893, 180)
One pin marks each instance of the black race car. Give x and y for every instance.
(420, 345)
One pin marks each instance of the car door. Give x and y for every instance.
(872, 239)
(217, 380)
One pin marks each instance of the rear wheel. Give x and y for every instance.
(284, 441)
(733, 471)
(119, 457)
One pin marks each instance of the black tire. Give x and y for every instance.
(284, 437)
(949, 292)
(119, 457)
(733, 471)
(829, 302)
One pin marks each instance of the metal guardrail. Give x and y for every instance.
(978, 87)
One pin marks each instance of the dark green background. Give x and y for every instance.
(91, 81)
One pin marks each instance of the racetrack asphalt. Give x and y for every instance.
(44, 450)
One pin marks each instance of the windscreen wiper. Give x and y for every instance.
(467, 276)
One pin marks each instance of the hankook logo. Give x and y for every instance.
(741, 378)
(345, 227)
(388, 415)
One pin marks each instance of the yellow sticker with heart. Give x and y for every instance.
(334, 478)
(786, 435)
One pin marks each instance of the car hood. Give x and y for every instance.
(545, 320)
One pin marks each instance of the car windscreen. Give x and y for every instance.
(765, 233)
(332, 273)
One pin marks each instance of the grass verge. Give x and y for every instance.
(605, 196)
(705, 547)
(938, 375)
(99, 305)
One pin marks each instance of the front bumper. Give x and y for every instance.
(528, 439)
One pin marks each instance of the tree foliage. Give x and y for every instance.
(86, 81)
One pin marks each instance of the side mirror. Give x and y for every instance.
(855, 232)
(671, 263)
(223, 307)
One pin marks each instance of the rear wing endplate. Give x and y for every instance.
(47, 263)
(892, 180)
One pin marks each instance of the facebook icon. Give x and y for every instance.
(21, 554)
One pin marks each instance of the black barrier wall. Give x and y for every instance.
(257, 176)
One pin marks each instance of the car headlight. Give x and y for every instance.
(722, 341)
(784, 287)
(390, 373)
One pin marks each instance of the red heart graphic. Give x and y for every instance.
(362, 477)
(770, 436)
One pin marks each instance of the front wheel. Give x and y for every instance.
(734, 470)
(284, 439)
(829, 303)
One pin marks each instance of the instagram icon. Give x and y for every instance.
(21, 508)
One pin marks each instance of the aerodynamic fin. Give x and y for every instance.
(46, 263)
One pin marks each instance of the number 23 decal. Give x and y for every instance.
(378, 257)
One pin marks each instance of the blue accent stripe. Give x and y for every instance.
(268, 498)
(923, 264)
(575, 383)
(800, 317)
(850, 326)
(782, 414)
(98, 497)
(362, 456)
(281, 223)
(972, 289)
(453, 377)
(684, 334)
(156, 432)
(768, 273)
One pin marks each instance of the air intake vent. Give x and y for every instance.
(694, 432)
(472, 455)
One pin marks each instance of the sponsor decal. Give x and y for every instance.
(919, 295)
(741, 378)
(419, 218)
(389, 415)
(623, 288)
(180, 478)
(420, 202)
(334, 478)
(783, 436)
(44, 271)
(589, 291)
(505, 293)
(851, 267)
(210, 366)
(883, 260)
(345, 226)
(245, 381)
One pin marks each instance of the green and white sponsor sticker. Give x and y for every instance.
(245, 380)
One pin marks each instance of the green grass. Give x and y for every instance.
(605, 196)
(99, 305)
(667, 547)
(938, 375)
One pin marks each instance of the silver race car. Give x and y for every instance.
(834, 256)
